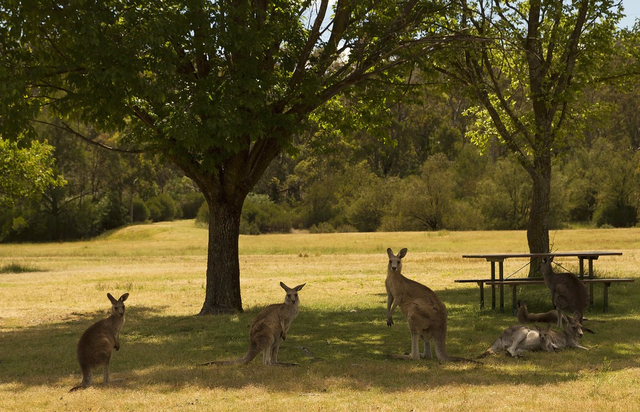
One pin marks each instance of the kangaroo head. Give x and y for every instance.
(292, 293)
(545, 339)
(395, 261)
(117, 306)
(574, 325)
(545, 265)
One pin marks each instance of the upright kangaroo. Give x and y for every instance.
(524, 316)
(269, 329)
(97, 343)
(426, 314)
(567, 291)
(567, 339)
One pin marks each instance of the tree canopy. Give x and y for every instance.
(25, 171)
(218, 87)
(537, 58)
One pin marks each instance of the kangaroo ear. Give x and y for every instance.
(564, 318)
(389, 252)
(123, 297)
(111, 298)
(577, 316)
(285, 287)
(402, 253)
(299, 287)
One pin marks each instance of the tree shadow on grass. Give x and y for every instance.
(350, 348)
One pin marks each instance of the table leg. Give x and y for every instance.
(493, 287)
(514, 300)
(591, 284)
(481, 284)
(500, 269)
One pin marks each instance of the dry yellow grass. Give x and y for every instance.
(342, 323)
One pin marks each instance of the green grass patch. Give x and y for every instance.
(18, 268)
(340, 338)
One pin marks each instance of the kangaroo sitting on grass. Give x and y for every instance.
(567, 291)
(567, 339)
(525, 317)
(517, 340)
(425, 313)
(97, 343)
(269, 329)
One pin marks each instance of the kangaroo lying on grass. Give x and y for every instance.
(567, 339)
(525, 317)
(425, 313)
(516, 340)
(519, 339)
(567, 291)
(269, 329)
(97, 343)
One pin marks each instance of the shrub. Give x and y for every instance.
(112, 212)
(190, 205)
(162, 208)
(616, 215)
(140, 211)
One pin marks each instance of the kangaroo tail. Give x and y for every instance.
(222, 362)
(458, 359)
(485, 354)
(252, 352)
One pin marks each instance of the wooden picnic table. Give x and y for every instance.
(499, 258)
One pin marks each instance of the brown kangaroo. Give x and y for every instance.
(97, 343)
(269, 329)
(525, 317)
(567, 291)
(425, 313)
(567, 339)
(516, 340)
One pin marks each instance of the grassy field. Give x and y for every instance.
(51, 293)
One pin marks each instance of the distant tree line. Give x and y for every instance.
(431, 177)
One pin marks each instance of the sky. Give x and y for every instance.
(632, 10)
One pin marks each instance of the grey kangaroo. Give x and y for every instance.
(97, 343)
(525, 317)
(425, 313)
(517, 340)
(567, 339)
(567, 291)
(269, 329)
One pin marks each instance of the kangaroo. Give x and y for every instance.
(567, 291)
(425, 313)
(525, 317)
(517, 340)
(269, 329)
(567, 339)
(97, 343)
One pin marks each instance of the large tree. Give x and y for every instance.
(535, 59)
(218, 87)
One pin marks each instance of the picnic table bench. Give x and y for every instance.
(500, 282)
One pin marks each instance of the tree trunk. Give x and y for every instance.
(538, 229)
(222, 291)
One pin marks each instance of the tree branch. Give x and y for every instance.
(69, 129)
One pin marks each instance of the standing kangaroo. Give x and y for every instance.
(567, 291)
(567, 339)
(97, 343)
(525, 317)
(425, 313)
(269, 329)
